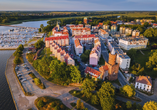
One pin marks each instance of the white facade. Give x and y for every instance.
(142, 86)
(136, 43)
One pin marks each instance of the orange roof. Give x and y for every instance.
(62, 52)
(77, 42)
(66, 56)
(100, 23)
(144, 79)
(59, 50)
(92, 72)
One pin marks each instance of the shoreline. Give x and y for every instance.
(8, 48)
(9, 85)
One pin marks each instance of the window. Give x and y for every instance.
(137, 83)
(144, 85)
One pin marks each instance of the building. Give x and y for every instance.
(61, 40)
(104, 71)
(60, 54)
(122, 30)
(113, 28)
(106, 27)
(154, 25)
(113, 67)
(95, 53)
(68, 60)
(88, 26)
(143, 83)
(103, 33)
(93, 73)
(122, 58)
(130, 42)
(135, 33)
(60, 32)
(100, 25)
(85, 39)
(78, 47)
(85, 20)
(128, 31)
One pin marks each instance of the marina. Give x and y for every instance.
(12, 38)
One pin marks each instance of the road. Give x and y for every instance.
(123, 81)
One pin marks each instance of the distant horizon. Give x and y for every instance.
(78, 5)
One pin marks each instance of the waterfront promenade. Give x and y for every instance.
(23, 102)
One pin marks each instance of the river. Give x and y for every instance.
(6, 101)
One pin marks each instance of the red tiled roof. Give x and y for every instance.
(62, 52)
(77, 42)
(144, 79)
(85, 36)
(154, 24)
(95, 72)
(66, 56)
(56, 38)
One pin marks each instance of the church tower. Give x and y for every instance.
(113, 67)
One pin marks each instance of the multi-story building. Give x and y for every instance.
(88, 26)
(135, 33)
(62, 32)
(143, 83)
(95, 53)
(60, 54)
(154, 25)
(103, 33)
(122, 58)
(93, 73)
(106, 27)
(128, 31)
(122, 30)
(113, 28)
(130, 42)
(61, 40)
(85, 20)
(78, 47)
(85, 39)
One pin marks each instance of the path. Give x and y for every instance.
(142, 52)
(23, 102)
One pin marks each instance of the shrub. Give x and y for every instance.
(56, 107)
(53, 104)
(78, 104)
(17, 60)
(40, 103)
(94, 100)
(37, 81)
(62, 107)
(74, 92)
(128, 104)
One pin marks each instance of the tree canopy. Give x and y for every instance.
(106, 95)
(128, 90)
(39, 44)
(151, 105)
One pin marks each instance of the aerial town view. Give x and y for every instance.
(78, 55)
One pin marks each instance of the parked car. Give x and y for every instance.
(33, 81)
(29, 72)
(17, 68)
(24, 65)
(27, 68)
(23, 80)
(20, 78)
(19, 75)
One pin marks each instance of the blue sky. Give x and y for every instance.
(78, 5)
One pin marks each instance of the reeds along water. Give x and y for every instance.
(6, 101)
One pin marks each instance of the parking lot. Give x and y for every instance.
(23, 76)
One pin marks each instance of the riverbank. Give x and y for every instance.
(9, 48)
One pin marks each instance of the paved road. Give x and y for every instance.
(123, 81)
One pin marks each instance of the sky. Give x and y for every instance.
(78, 5)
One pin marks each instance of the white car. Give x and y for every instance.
(19, 75)
(23, 80)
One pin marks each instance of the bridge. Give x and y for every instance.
(19, 26)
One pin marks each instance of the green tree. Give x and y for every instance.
(20, 47)
(128, 90)
(106, 95)
(37, 81)
(75, 74)
(17, 53)
(39, 44)
(87, 87)
(82, 106)
(78, 104)
(17, 60)
(151, 105)
(95, 100)
(128, 104)
(146, 24)
(41, 26)
(40, 103)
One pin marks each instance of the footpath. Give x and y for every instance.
(23, 102)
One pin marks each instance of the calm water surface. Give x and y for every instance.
(6, 102)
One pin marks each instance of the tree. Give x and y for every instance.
(128, 90)
(37, 81)
(78, 104)
(106, 95)
(87, 87)
(41, 26)
(20, 47)
(17, 60)
(128, 104)
(17, 53)
(146, 24)
(151, 105)
(75, 74)
(82, 106)
(95, 100)
(40, 103)
(39, 44)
